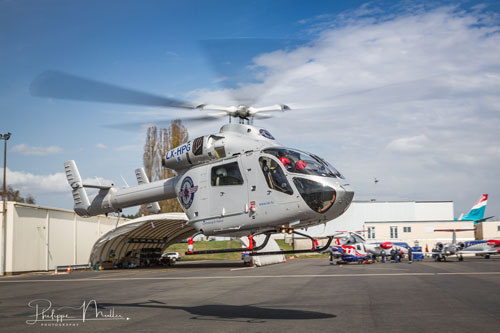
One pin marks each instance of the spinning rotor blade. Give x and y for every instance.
(55, 84)
(277, 107)
(164, 123)
(212, 107)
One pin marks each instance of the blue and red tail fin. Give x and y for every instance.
(477, 211)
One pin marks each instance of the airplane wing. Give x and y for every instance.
(485, 219)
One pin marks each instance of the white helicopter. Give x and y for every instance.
(237, 182)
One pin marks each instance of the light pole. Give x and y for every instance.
(4, 137)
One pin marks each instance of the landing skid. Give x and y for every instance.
(241, 249)
(253, 249)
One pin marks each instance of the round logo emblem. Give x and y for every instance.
(186, 194)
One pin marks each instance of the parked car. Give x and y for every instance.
(172, 255)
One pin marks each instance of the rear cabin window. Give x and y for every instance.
(226, 174)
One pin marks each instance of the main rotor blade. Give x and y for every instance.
(164, 123)
(55, 84)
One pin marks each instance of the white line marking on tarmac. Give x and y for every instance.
(250, 277)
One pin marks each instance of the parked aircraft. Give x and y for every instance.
(483, 248)
(443, 250)
(374, 249)
(476, 213)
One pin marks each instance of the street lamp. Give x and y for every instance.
(4, 137)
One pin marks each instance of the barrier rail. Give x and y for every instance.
(69, 268)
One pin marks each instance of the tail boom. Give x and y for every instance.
(112, 199)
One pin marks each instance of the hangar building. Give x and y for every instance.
(40, 238)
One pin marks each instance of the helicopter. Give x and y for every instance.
(237, 182)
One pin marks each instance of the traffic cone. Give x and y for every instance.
(284, 258)
(69, 269)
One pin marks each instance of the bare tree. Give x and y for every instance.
(15, 195)
(150, 156)
(158, 142)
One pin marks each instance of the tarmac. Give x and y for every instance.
(303, 295)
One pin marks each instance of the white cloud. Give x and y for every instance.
(25, 149)
(29, 183)
(413, 99)
(412, 144)
(101, 146)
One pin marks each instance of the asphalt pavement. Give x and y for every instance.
(303, 295)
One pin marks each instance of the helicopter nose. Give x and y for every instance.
(345, 196)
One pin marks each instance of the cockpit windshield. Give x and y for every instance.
(296, 161)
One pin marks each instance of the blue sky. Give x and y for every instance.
(407, 92)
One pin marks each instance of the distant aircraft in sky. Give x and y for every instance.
(476, 213)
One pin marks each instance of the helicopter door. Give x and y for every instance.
(228, 191)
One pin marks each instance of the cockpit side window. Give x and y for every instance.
(274, 175)
(226, 174)
(296, 161)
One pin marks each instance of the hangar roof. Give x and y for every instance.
(152, 231)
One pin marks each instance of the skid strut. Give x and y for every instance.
(251, 246)
(314, 249)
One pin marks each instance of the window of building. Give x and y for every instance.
(226, 174)
(498, 227)
(371, 232)
(406, 229)
(274, 175)
(394, 232)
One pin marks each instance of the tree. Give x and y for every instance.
(15, 195)
(158, 142)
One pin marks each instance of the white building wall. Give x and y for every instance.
(26, 236)
(434, 211)
(422, 231)
(61, 239)
(40, 238)
(363, 211)
(488, 230)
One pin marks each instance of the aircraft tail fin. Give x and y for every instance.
(477, 211)
(80, 197)
(142, 178)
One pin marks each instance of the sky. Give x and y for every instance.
(407, 92)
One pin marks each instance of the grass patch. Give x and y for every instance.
(210, 245)
(283, 245)
(288, 247)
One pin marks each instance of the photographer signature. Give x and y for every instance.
(89, 310)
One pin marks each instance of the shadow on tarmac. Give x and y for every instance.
(228, 312)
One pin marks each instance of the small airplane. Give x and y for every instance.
(443, 250)
(476, 213)
(482, 247)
